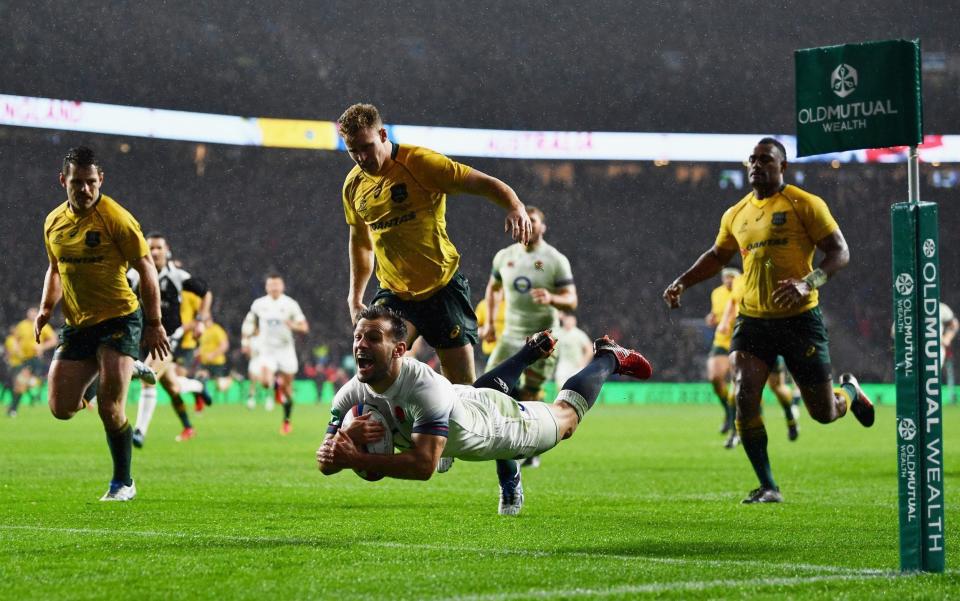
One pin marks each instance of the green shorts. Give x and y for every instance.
(184, 356)
(719, 351)
(445, 319)
(801, 339)
(217, 371)
(122, 334)
(34, 364)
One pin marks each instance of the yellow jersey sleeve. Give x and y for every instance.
(436, 172)
(725, 238)
(347, 195)
(814, 214)
(126, 233)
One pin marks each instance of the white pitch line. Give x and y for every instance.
(673, 587)
(717, 563)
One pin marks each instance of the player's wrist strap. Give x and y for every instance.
(816, 278)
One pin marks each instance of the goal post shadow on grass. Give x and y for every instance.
(860, 96)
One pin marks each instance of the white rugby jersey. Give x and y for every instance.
(421, 401)
(270, 316)
(520, 270)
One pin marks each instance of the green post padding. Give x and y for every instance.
(929, 394)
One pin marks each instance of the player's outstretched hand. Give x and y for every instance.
(155, 342)
(363, 430)
(518, 225)
(791, 292)
(672, 295)
(38, 324)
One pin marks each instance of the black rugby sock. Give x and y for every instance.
(120, 443)
(181, 409)
(588, 381)
(753, 437)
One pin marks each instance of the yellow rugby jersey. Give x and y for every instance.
(776, 238)
(405, 210)
(210, 342)
(93, 253)
(23, 332)
(189, 307)
(718, 304)
(13, 352)
(498, 321)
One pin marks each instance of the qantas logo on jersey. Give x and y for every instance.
(770, 242)
(96, 259)
(389, 223)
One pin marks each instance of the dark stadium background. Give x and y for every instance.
(233, 213)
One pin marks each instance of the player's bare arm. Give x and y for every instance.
(196, 324)
(417, 463)
(517, 222)
(795, 291)
(300, 326)
(725, 325)
(52, 293)
(154, 339)
(492, 298)
(708, 265)
(564, 299)
(361, 267)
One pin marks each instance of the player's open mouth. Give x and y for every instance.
(364, 362)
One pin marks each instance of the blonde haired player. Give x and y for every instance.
(395, 202)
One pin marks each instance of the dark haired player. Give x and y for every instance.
(90, 241)
(776, 228)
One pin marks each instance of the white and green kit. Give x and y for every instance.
(520, 269)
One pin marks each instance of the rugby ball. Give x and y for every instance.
(384, 446)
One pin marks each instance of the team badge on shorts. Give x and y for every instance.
(779, 218)
(455, 332)
(811, 351)
(92, 239)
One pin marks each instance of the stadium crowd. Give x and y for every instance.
(232, 214)
(251, 59)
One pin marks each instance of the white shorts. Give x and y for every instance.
(563, 373)
(535, 375)
(275, 360)
(498, 427)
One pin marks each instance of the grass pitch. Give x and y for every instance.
(643, 502)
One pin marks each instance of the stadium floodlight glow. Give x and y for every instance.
(113, 119)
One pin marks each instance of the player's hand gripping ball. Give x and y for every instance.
(383, 446)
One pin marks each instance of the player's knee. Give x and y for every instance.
(820, 413)
(61, 412)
